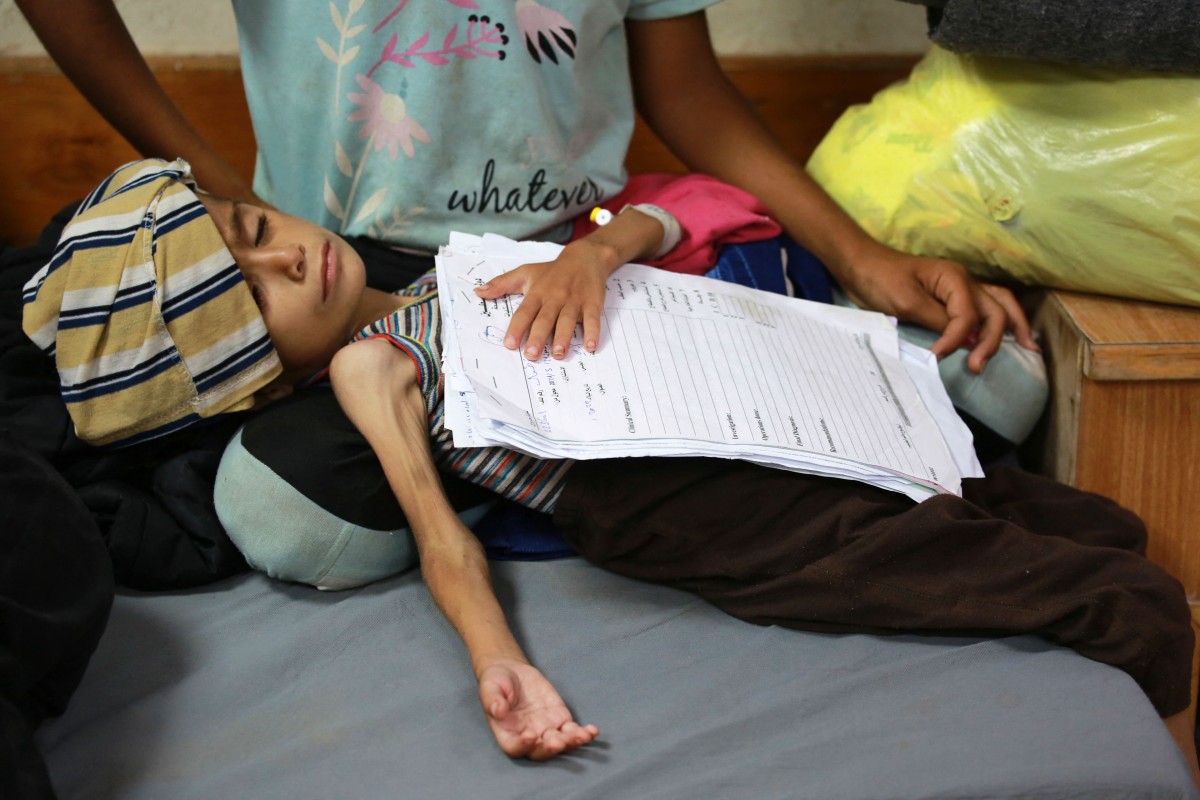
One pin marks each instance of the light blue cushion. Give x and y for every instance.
(1008, 397)
(288, 536)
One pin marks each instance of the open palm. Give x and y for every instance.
(526, 714)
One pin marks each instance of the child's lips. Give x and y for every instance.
(328, 270)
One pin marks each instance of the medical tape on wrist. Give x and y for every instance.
(672, 231)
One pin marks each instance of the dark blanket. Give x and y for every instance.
(56, 588)
(1146, 34)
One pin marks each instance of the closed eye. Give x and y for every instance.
(256, 293)
(261, 232)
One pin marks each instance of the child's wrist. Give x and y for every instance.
(504, 657)
(642, 231)
(598, 251)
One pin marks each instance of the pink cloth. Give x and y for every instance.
(711, 214)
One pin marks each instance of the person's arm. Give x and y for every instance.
(377, 386)
(688, 101)
(90, 43)
(570, 289)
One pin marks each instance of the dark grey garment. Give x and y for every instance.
(1146, 34)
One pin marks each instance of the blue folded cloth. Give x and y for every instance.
(775, 265)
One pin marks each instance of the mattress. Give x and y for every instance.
(256, 688)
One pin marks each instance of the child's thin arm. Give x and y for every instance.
(570, 289)
(377, 386)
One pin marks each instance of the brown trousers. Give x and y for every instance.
(1016, 554)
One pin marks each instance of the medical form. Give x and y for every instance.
(693, 366)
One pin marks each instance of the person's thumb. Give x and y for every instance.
(495, 698)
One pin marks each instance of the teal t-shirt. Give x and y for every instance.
(405, 119)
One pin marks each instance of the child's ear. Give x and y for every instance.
(275, 390)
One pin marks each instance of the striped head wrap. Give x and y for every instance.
(145, 313)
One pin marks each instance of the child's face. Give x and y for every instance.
(306, 280)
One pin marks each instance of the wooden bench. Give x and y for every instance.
(1125, 374)
(1124, 419)
(1124, 397)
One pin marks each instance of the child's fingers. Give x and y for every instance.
(564, 330)
(591, 327)
(522, 319)
(540, 331)
(578, 735)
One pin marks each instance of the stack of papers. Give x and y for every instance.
(691, 366)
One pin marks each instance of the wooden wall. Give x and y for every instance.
(54, 147)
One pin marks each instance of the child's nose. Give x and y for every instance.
(286, 259)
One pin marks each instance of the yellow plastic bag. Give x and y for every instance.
(1073, 177)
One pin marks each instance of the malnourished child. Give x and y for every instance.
(163, 306)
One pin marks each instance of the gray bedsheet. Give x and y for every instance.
(257, 689)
